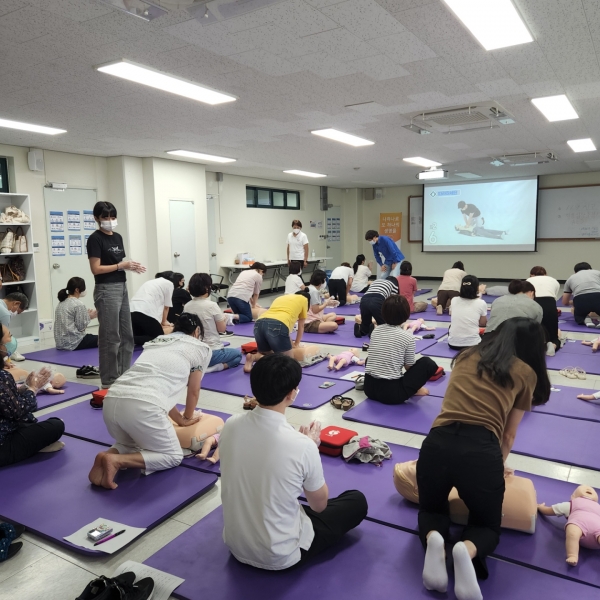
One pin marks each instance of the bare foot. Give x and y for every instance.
(225, 366)
(422, 392)
(110, 464)
(54, 391)
(572, 560)
(249, 362)
(586, 397)
(201, 456)
(97, 471)
(212, 460)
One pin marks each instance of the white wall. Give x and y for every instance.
(558, 257)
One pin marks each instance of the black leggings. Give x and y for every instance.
(145, 328)
(29, 439)
(584, 304)
(342, 514)
(550, 319)
(370, 308)
(467, 457)
(337, 289)
(89, 340)
(398, 391)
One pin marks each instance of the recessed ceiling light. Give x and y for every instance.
(304, 173)
(422, 162)
(200, 156)
(494, 23)
(585, 145)
(162, 81)
(468, 175)
(555, 108)
(340, 136)
(30, 127)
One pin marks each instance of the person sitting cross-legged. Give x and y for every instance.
(265, 525)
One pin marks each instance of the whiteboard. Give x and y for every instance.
(415, 218)
(569, 213)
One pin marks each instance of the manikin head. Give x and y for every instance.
(585, 491)
(355, 351)
(58, 380)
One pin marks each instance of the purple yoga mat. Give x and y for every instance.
(589, 361)
(569, 441)
(372, 560)
(71, 358)
(72, 390)
(567, 323)
(544, 550)
(50, 493)
(440, 349)
(422, 291)
(348, 310)
(431, 315)
(237, 383)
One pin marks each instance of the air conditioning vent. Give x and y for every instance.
(465, 117)
(524, 159)
(372, 194)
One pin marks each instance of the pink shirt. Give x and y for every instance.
(246, 285)
(585, 513)
(408, 287)
(347, 356)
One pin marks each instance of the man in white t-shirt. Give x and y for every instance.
(265, 526)
(297, 245)
(150, 307)
(340, 282)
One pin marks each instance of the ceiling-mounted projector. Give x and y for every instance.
(433, 173)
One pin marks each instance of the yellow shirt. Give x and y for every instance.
(287, 309)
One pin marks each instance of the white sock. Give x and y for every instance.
(465, 580)
(215, 368)
(435, 576)
(550, 349)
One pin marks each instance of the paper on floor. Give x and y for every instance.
(352, 375)
(164, 583)
(80, 538)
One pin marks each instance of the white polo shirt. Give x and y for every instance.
(296, 244)
(265, 465)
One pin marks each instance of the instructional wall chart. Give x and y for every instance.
(74, 220)
(58, 245)
(57, 220)
(333, 229)
(75, 245)
(88, 221)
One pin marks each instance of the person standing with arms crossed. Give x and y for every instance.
(384, 246)
(106, 254)
(297, 245)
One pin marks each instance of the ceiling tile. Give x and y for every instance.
(379, 67)
(341, 44)
(500, 87)
(403, 47)
(265, 62)
(27, 24)
(7, 6)
(431, 22)
(299, 18)
(481, 72)
(525, 63)
(364, 18)
(324, 65)
(74, 10)
(398, 5)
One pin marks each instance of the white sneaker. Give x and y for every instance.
(550, 349)
(16, 356)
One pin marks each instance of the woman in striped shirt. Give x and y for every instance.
(371, 303)
(392, 349)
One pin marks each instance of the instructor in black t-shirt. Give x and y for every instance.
(106, 254)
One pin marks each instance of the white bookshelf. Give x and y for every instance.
(26, 326)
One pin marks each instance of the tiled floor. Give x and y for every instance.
(43, 570)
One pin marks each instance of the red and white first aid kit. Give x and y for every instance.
(334, 438)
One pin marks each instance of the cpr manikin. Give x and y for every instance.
(416, 325)
(519, 508)
(583, 521)
(345, 359)
(201, 436)
(54, 386)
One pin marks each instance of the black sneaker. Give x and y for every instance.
(226, 333)
(102, 588)
(88, 372)
(357, 332)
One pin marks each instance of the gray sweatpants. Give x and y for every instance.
(115, 340)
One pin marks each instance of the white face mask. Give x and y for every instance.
(296, 396)
(13, 313)
(82, 294)
(296, 231)
(108, 225)
(372, 242)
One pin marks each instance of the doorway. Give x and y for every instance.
(212, 236)
(70, 222)
(183, 236)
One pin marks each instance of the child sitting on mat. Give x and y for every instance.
(344, 359)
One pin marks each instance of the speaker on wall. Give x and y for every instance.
(324, 203)
(35, 160)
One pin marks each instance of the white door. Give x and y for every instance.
(334, 237)
(70, 222)
(212, 235)
(183, 237)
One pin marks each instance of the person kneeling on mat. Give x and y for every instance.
(391, 349)
(491, 387)
(265, 525)
(138, 406)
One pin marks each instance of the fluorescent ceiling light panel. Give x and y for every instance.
(437, 174)
(585, 145)
(422, 162)
(494, 23)
(304, 173)
(200, 156)
(468, 175)
(162, 81)
(555, 108)
(340, 136)
(30, 127)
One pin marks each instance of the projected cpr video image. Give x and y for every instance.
(489, 216)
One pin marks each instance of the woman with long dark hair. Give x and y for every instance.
(138, 406)
(467, 314)
(106, 254)
(362, 273)
(547, 290)
(181, 297)
(71, 318)
(491, 387)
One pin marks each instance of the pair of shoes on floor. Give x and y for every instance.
(8, 547)
(573, 373)
(88, 372)
(121, 587)
(226, 333)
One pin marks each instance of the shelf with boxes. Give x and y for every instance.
(18, 268)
